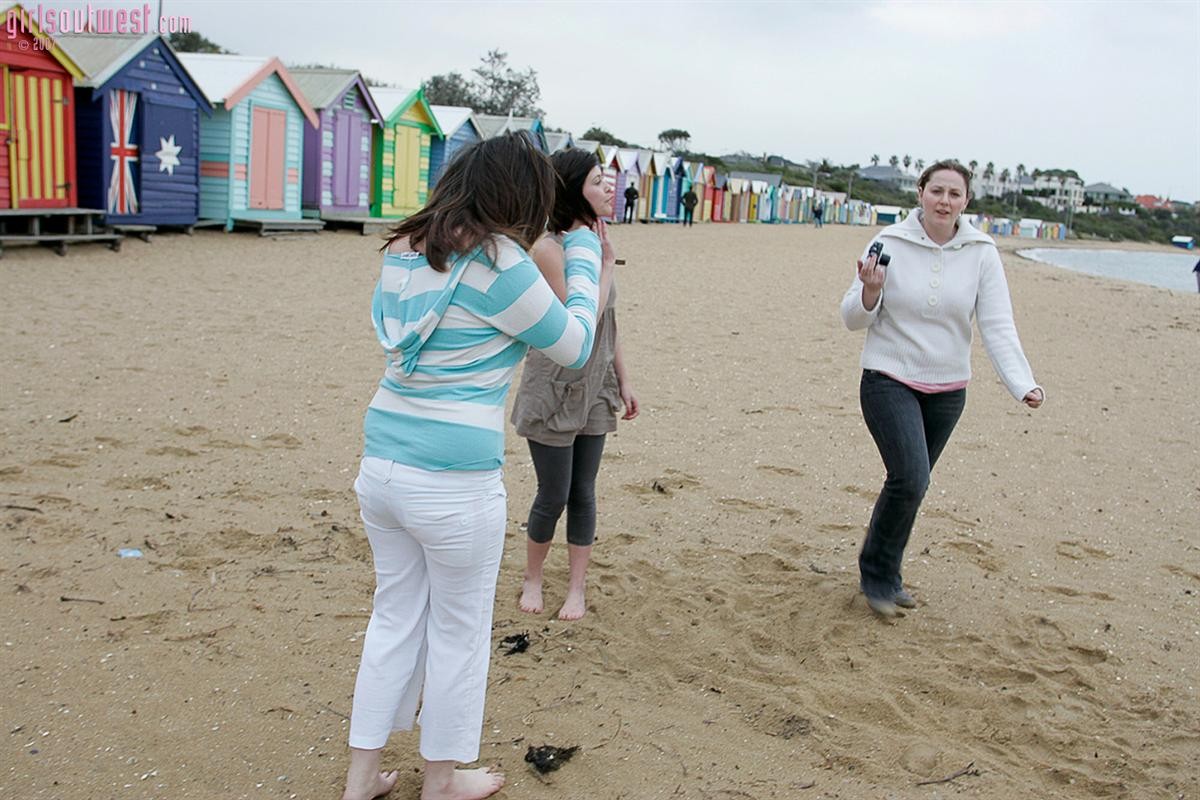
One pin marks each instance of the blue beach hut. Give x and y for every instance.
(137, 130)
(459, 129)
(252, 147)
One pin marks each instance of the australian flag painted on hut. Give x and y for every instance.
(137, 130)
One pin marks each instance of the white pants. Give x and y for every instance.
(437, 538)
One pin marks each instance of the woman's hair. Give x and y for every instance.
(946, 163)
(572, 166)
(498, 186)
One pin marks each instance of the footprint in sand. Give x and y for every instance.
(191, 430)
(1067, 591)
(785, 471)
(980, 553)
(180, 452)
(668, 484)
(11, 473)
(132, 483)
(64, 460)
(866, 494)
(282, 440)
(1079, 551)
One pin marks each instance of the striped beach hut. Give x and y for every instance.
(337, 153)
(459, 130)
(625, 165)
(37, 118)
(704, 184)
(252, 147)
(662, 184)
(401, 152)
(137, 130)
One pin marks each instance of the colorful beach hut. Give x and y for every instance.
(625, 165)
(137, 130)
(492, 125)
(459, 130)
(401, 152)
(37, 118)
(252, 147)
(559, 140)
(337, 153)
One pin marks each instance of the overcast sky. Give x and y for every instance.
(1110, 89)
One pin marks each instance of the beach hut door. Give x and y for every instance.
(39, 102)
(123, 153)
(347, 158)
(169, 155)
(267, 150)
(405, 162)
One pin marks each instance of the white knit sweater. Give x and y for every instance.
(920, 330)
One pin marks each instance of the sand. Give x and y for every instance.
(200, 398)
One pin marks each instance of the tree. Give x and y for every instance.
(906, 161)
(674, 139)
(451, 89)
(496, 88)
(193, 42)
(894, 161)
(874, 161)
(989, 170)
(1005, 175)
(603, 137)
(972, 164)
(502, 89)
(919, 164)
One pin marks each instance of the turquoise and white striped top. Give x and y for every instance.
(453, 340)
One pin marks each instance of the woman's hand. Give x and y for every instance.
(630, 400)
(872, 276)
(1034, 398)
(608, 256)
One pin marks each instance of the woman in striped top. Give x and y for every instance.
(458, 304)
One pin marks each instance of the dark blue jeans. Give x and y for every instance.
(910, 429)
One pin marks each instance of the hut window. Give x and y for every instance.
(349, 101)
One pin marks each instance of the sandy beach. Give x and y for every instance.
(201, 398)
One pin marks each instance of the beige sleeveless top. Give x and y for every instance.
(555, 404)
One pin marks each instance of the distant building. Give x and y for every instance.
(890, 175)
(1099, 194)
(1057, 192)
(1152, 202)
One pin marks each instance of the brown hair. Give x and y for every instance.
(572, 167)
(945, 163)
(498, 186)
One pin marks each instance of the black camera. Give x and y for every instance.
(883, 259)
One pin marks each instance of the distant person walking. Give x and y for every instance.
(818, 213)
(631, 198)
(917, 357)
(1196, 272)
(689, 206)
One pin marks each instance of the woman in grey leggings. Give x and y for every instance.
(566, 413)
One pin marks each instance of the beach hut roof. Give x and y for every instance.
(644, 159)
(29, 24)
(322, 87)
(395, 100)
(589, 145)
(627, 160)
(769, 178)
(229, 79)
(451, 118)
(102, 56)
(662, 163)
(611, 154)
(559, 140)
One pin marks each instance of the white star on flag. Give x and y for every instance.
(168, 155)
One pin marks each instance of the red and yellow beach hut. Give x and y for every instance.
(37, 117)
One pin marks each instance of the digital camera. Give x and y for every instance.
(883, 259)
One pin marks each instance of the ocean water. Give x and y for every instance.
(1167, 270)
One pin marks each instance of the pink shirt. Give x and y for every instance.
(930, 388)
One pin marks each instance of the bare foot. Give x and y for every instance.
(464, 784)
(574, 607)
(531, 597)
(382, 784)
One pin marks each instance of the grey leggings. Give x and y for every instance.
(566, 478)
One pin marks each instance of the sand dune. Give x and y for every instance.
(200, 398)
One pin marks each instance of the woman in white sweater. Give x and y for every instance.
(917, 309)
